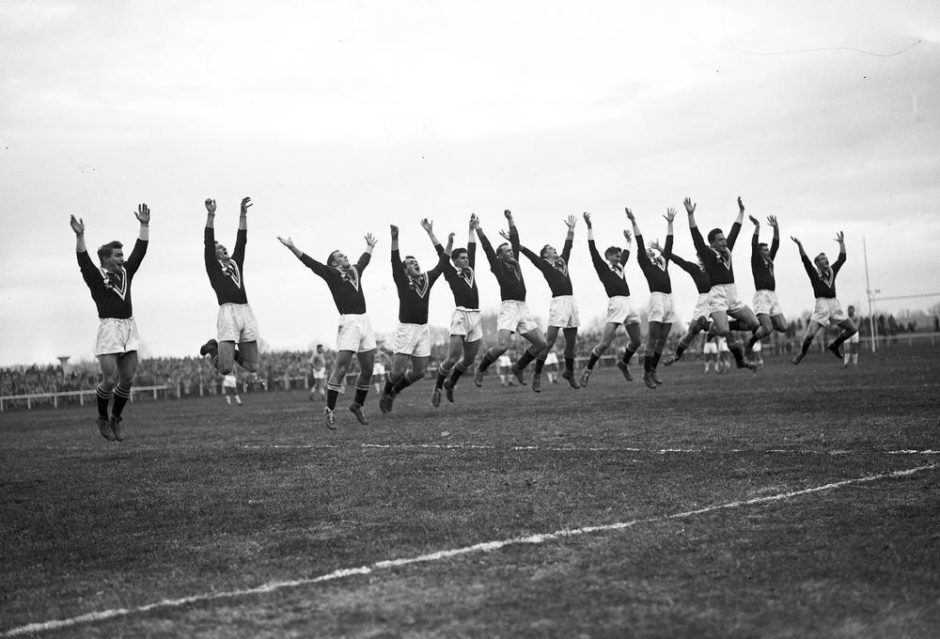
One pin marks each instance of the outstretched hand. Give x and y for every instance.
(246, 202)
(689, 206)
(504, 234)
(474, 221)
(587, 219)
(142, 214)
(370, 240)
(628, 235)
(210, 205)
(393, 229)
(840, 237)
(570, 222)
(427, 225)
(754, 220)
(630, 215)
(740, 204)
(508, 214)
(798, 243)
(78, 225)
(286, 241)
(772, 221)
(670, 214)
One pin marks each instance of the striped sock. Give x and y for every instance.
(104, 399)
(122, 393)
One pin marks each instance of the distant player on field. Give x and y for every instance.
(768, 310)
(466, 329)
(230, 388)
(828, 309)
(514, 315)
(118, 340)
(236, 322)
(620, 309)
(563, 312)
(655, 266)
(318, 369)
(851, 353)
(355, 336)
(413, 336)
(723, 299)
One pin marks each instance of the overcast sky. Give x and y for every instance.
(339, 118)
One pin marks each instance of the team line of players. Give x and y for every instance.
(719, 309)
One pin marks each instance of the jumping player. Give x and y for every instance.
(655, 266)
(466, 329)
(723, 297)
(235, 323)
(413, 336)
(768, 310)
(118, 340)
(563, 312)
(828, 309)
(355, 334)
(620, 309)
(514, 315)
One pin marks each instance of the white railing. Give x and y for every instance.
(34, 397)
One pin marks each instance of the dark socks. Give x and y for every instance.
(121, 395)
(104, 399)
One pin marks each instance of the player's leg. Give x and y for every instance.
(764, 328)
(607, 337)
(747, 321)
(366, 364)
(337, 383)
(779, 323)
(126, 370)
(225, 360)
(470, 350)
(658, 347)
(653, 329)
(503, 339)
(634, 338)
(848, 330)
(571, 345)
(400, 364)
(812, 327)
(108, 365)
(551, 334)
(455, 349)
(696, 326)
(246, 356)
(537, 343)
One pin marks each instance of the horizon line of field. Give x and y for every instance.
(490, 546)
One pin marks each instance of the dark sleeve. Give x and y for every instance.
(363, 262)
(472, 254)
(698, 241)
(838, 265)
(398, 271)
(596, 257)
(209, 238)
(442, 262)
(685, 265)
(775, 244)
(810, 269)
(241, 238)
(320, 269)
(733, 235)
(90, 272)
(667, 250)
(624, 256)
(514, 239)
(137, 256)
(566, 251)
(535, 259)
(641, 255)
(487, 248)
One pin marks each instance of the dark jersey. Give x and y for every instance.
(556, 271)
(508, 274)
(717, 263)
(346, 286)
(763, 268)
(699, 276)
(463, 282)
(612, 278)
(227, 279)
(824, 284)
(414, 295)
(112, 291)
(657, 274)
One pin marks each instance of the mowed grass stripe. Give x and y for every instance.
(447, 554)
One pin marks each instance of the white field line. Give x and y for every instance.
(601, 449)
(488, 546)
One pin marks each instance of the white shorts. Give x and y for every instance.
(117, 336)
(467, 323)
(620, 311)
(413, 339)
(828, 310)
(355, 334)
(710, 348)
(515, 316)
(701, 307)
(319, 373)
(236, 323)
(563, 312)
(378, 369)
(855, 339)
(757, 348)
(661, 308)
(724, 297)
(765, 303)
(229, 381)
(551, 359)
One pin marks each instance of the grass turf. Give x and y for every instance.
(204, 498)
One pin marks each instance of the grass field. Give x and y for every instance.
(795, 502)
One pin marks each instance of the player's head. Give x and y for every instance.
(460, 257)
(221, 253)
(764, 250)
(822, 261)
(716, 239)
(111, 255)
(851, 310)
(548, 252)
(654, 254)
(504, 252)
(338, 259)
(319, 348)
(612, 254)
(411, 266)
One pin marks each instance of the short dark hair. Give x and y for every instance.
(762, 245)
(329, 258)
(500, 247)
(106, 250)
(542, 252)
(457, 252)
(712, 233)
(408, 257)
(612, 249)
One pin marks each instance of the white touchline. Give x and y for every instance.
(441, 554)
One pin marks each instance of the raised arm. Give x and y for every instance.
(697, 238)
(243, 214)
(775, 244)
(570, 222)
(428, 226)
(513, 233)
(592, 246)
(840, 238)
(210, 213)
(667, 249)
(807, 265)
(78, 227)
(736, 226)
(625, 254)
(366, 256)
(485, 243)
(143, 238)
(641, 255)
(755, 238)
